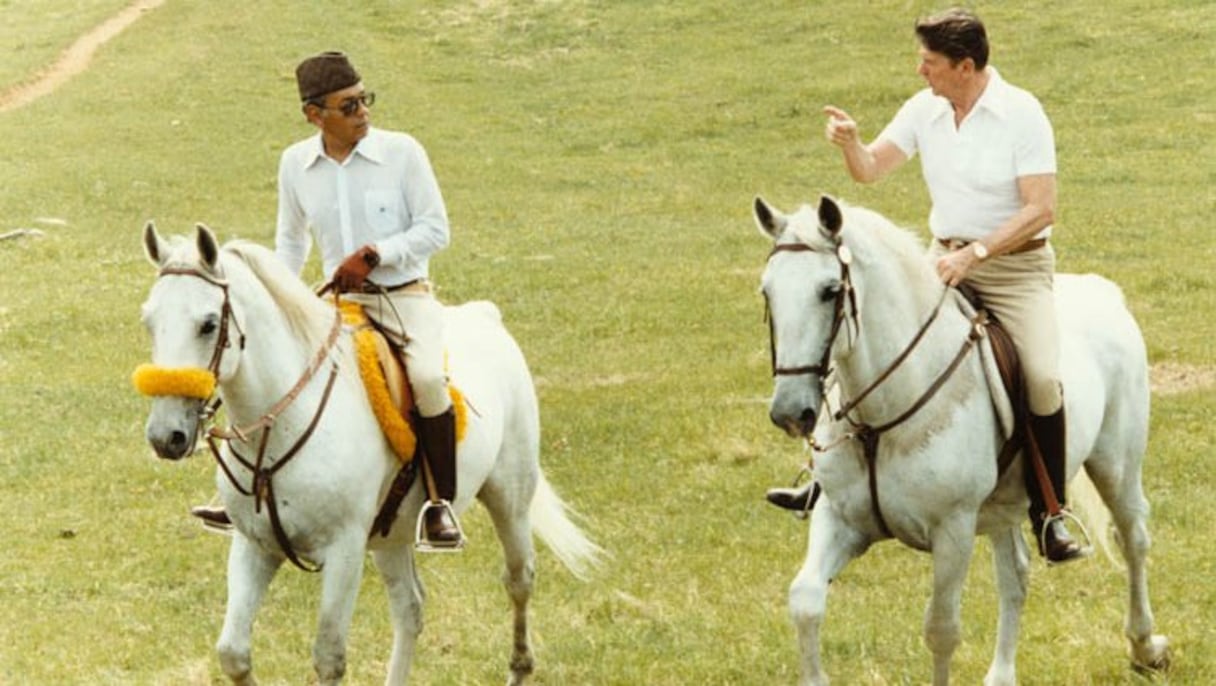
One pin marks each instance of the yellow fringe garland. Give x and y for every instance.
(185, 382)
(400, 436)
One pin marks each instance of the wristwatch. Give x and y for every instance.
(979, 250)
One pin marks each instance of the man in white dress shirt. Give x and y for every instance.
(370, 201)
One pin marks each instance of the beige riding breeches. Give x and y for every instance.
(1017, 290)
(414, 318)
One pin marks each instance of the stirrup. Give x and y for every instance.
(423, 544)
(1087, 548)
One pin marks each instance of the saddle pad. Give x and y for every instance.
(387, 386)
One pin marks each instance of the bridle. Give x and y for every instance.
(261, 487)
(846, 298)
(866, 433)
(222, 341)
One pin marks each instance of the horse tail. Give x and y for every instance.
(1093, 513)
(551, 520)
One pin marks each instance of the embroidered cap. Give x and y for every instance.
(325, 73)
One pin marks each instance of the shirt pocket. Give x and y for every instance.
(383, 212)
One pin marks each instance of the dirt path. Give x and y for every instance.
(75, 59)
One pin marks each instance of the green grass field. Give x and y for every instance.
(598, 161)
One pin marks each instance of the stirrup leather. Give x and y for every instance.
(425, 545)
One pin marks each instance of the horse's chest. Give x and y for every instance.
(906, 487)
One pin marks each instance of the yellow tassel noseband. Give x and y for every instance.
(186, 382)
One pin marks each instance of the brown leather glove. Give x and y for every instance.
(350, 275)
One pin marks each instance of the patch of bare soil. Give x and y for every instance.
(75, 59)
(1172, 378)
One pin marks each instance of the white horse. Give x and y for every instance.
(266, 337)
(848, 290)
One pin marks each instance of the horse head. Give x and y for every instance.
(808, 295)
(190, 320)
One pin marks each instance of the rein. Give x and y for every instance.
(870, 435)
(261, 488)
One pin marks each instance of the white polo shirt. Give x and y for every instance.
(972, 170)
(384, 193)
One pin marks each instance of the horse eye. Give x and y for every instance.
(830, 291)
(208, 327)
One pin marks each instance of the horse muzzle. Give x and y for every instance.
(172, 428)
(795, 404)
(796, 426)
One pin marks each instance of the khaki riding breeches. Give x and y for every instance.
(413, 318)
(1017, 290)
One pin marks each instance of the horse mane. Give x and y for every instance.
(308, 317)
(874, 239)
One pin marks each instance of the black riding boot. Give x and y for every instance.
(213, 516)
(437, 437)
(797, 498)
(1054, 541)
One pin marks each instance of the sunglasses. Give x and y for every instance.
(350, 106)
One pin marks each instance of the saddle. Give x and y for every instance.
(383, 370)
(1006, 385)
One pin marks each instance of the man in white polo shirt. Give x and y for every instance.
(988, 158)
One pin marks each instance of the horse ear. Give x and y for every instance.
(770, 220)
(830, 217)
(208, 247)
(154, 248)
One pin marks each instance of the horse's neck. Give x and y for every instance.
(272, 362)
(892, 313)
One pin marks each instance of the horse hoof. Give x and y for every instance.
(1153, 657)
(521, 669)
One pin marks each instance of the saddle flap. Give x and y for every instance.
(395, 378)
(1001, 369)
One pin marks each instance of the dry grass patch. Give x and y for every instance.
(1173, 378)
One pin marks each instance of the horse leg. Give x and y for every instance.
(953, 542)
(340, 577)
(1129, 508)
(832, 544)
(249, 574)
(1011, 559)
(511, 522)
(405, 596)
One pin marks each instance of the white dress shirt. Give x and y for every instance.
(384, 193)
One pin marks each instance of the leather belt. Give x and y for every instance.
(372, 288)
(958, 243)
